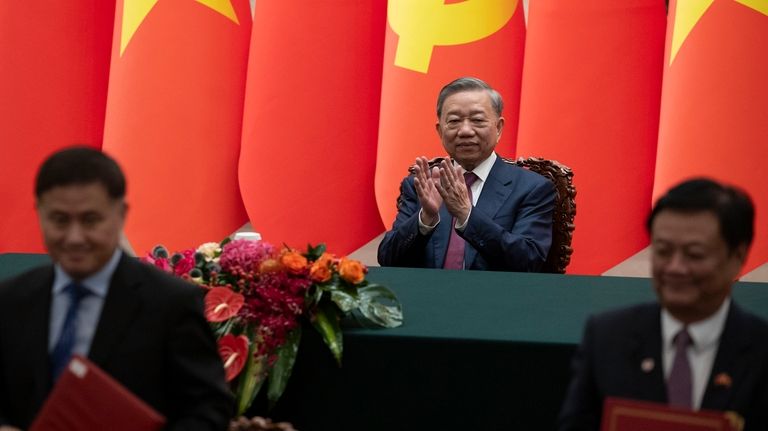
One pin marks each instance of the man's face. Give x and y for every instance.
(469, 127)
(693, 269)
(81, 226)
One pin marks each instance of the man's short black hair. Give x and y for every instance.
(731, 205)
(80, 165)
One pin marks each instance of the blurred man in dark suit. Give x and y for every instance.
(474, 211)
(695, 348)
(142, 326)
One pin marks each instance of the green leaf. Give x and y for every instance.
(314, 253)
(283, 366)
(313, 296)
(380, 306)
(325, 319)
(251, 380)
(344, 300)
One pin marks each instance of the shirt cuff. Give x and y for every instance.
(426, 229)
(460, 226)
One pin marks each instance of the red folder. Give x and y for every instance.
(87, 398)
(631, 415)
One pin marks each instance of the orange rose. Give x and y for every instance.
(319, 273)
(269, 266)
(321, 270)
(352, 270)
(294, 261)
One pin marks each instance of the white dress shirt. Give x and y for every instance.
(90, 306)
(705, 339)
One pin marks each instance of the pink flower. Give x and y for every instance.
(244, 255)
(185, 263)
(159, 262)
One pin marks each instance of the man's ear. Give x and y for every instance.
(499, 128)
(438, 130)
(740, 253)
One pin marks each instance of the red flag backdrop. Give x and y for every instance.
(714, 112)
(590, 99)
(311, 115)
(54, 66)
(429, 44)
(174, 117)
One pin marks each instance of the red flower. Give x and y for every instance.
(221, 303)
(159, 262)
(184, 262)
(233, 351)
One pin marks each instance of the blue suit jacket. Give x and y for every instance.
(615, 344)
(510, 228)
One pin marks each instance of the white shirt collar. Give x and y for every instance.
(703, 333)
(484, 168)
(97, 284)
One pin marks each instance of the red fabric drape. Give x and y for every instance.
(54, 67)
(174, 116)
(311, 115)
(714, 111)
(590, 99)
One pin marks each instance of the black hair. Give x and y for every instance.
(731, 205)
(80, 165)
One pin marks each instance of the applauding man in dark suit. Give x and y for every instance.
(695, 348)
(474, 211)
(142, 326)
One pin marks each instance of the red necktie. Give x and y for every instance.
(679, 391)
(454, 257)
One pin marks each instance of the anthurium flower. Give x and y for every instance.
(233, 350)
(221, 303)
(352, 270)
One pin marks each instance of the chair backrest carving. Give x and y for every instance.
(564, 212)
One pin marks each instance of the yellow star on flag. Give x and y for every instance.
(134, 12)
(689, 12)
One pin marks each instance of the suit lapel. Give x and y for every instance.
(645, 358)
(35, 333)
(120, 306)
(495, 192)
(731, 362)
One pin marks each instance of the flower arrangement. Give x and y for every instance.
(258, 295)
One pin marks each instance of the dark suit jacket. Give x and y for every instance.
(510, 228)
(615, 343)
(152, 337)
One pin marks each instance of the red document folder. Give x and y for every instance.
(631, 415)
(87, 398)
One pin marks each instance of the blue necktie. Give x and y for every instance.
(62, 350)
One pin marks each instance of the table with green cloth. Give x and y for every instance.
(478, 350)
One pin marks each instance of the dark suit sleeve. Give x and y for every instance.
(404, 245)
(582, 408)
(201, 398)
(522, 245)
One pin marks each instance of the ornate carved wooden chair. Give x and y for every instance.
(564, 212)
